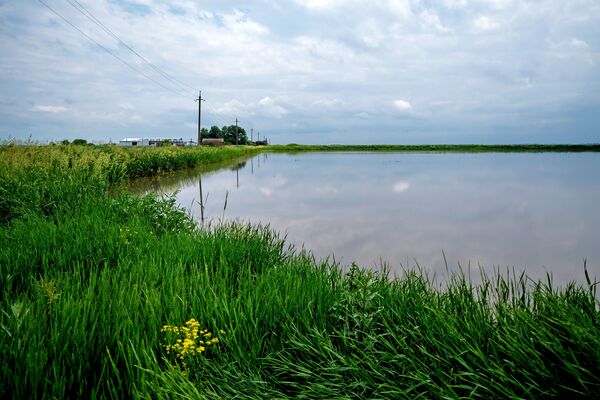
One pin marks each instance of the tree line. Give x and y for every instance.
(228, 134)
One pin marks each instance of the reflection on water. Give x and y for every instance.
(168, 184)
(534, 212)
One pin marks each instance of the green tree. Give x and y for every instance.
(79, 141)
(204, 133)
(229, 134)
(215, 132)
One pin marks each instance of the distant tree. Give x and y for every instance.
(229, 134)
(215, 132)
(65, 142)
(204, 133)
(79, 142)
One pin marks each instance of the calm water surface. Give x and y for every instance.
(533, 212)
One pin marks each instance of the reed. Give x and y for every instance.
(91, 277)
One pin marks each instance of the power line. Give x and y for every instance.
(216, 116)
(89, 15)
(111, 53)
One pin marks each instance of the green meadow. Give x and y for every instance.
(109, 295)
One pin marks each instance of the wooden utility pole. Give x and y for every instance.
(252, 134)
(199, 100)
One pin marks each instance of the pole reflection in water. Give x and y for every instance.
(237, 168)
(201, 199)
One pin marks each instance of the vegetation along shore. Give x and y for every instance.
(110, 295)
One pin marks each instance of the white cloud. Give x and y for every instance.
(266, 101)
(50, 109)
(401, 8)
(265, 107)
(269, 107)
(329, 103)
(321, 4)
(573, 50)
(578, 44)
(432, 20)
(400, 186)
(454, 3)
(485, 23)
(398, 8)
(402, 105)
(267, 192)
(232, 107)
(498, 4)
(324, 49)
(239, 23)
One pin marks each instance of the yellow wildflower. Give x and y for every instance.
(187, 341)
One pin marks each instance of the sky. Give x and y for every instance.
(313, 71)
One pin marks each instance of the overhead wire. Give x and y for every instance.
(112, 53)
(215, 116)
(88, 14)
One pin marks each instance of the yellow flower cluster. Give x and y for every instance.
(189, 340)
(126, 235)
(49, 290)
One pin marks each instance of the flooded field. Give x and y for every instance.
(535, 212)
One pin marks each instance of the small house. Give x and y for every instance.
(134, 142)
(213, 141)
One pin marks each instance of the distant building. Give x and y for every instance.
(154, 142)
(178, 142)
(213, 141)
(130, 142)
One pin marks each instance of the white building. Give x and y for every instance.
(129, 142)
(155, 142)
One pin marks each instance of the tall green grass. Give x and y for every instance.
(89, 279)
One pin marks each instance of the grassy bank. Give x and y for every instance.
(97, 288)
(456, 148)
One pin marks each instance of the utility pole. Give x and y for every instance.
(252, 134)
(199, 100)
(258, 139)
(236, 131)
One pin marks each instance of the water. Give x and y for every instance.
(535, 212)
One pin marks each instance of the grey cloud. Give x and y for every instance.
(332, 66)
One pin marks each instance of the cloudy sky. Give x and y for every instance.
(313, 71)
